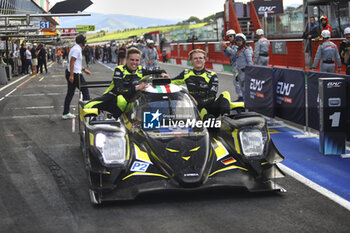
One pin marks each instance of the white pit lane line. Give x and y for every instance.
(325, 192)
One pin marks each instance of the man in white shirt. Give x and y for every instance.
(74, 74)
(28, 61)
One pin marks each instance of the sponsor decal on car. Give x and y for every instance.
(139, 167)
(228, 161)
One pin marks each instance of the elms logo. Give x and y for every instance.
(151, 120)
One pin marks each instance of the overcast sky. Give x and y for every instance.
(164, 9)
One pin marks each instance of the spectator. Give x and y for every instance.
(97, 52)
(41, 58)
(92, 55)
(22, 52)
(229, 51)
(151, 56)
(74, 75)
(142, 46)
(105, 54)
(28, 60)
(114, 53)
(34, 58)
(314, 32)
(121, 54)
(109, 53)
(86, 53)
(262, 47)
(327, 52)
(325, 25)
(344, 50)
(165, 56)
(243, 53)
(17, 61)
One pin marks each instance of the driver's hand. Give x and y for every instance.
(165, 75)
(141, 86)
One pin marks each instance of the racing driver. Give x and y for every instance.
(203, 84)
(124, 85)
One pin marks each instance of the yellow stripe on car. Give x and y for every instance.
(235, 136)
(144, 174)
(195, 149)
(92, 139)
(228, 168)
(171, 150)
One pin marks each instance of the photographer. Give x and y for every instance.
(344, 50)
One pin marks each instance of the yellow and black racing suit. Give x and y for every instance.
(121, 90)
(203, 86)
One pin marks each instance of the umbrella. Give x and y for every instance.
(70, 6)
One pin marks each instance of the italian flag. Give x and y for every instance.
(164, 89)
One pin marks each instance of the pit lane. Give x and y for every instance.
(44, 185)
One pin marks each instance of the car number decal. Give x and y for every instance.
(139, 167)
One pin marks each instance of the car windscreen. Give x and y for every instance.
(175, 106)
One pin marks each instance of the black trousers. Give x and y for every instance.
(218, 107)
(108, 103)
(41, 62)
(71, 89)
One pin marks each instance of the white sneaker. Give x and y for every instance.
(68, 116)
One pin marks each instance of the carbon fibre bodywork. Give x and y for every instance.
(175, 158)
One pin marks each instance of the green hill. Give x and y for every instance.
(107, 36)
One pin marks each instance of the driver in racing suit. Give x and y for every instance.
(124, 85)
(203, 84)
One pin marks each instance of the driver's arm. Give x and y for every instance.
(180, 79)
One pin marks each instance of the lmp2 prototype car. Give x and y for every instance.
(161, 143)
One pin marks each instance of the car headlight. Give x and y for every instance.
(252, 142)
(112, 146)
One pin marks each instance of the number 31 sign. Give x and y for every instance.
(44, 24)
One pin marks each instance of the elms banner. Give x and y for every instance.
(290, 94)
(259, 91)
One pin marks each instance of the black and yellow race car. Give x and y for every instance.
(161, 143)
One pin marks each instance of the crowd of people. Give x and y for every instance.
(115, 52)
(30, 59)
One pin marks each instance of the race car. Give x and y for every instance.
(161, 143)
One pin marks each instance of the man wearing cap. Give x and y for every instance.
(327, 52)
(244, 54)
(151, 56)
(229, 51)
(261, 49)
(142, 46)
(74, 75)
(34, 58)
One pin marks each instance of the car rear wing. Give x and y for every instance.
(95, 84)
(92, 84)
